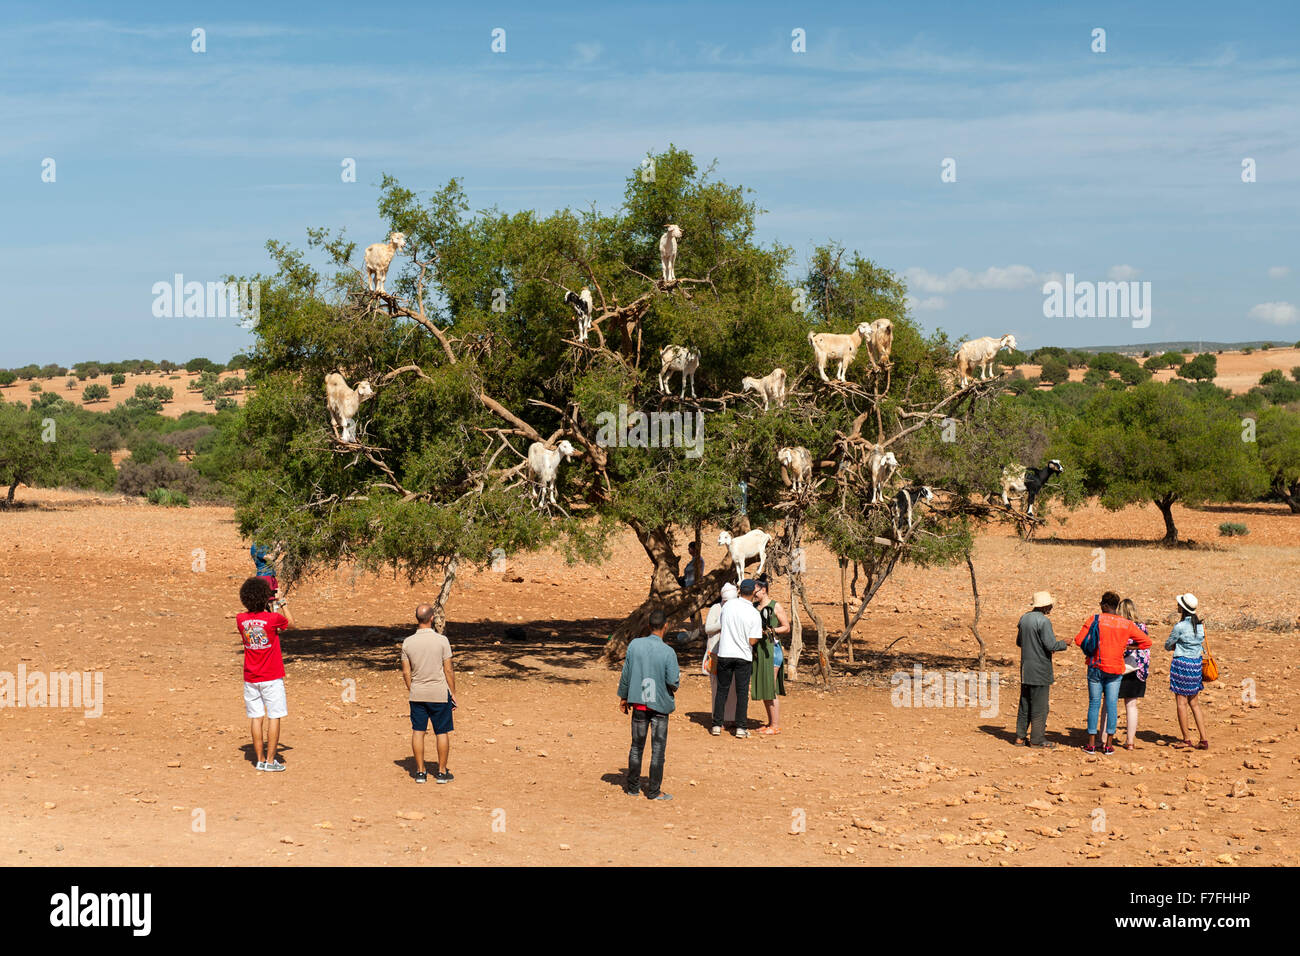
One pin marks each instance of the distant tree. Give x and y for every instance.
(202, 365)
(1273, 376)
(1054, 370)
(118, 379)
(1203, 368)
(72, 383)
(1278, 436)
(164, 393)
(94, 393)
(34, 387)
(167, 365)
(7, 378)
(225, 402)
(1164, 443)
(237, 361)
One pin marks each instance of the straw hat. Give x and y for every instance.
(1187, 602)
(1042, 599)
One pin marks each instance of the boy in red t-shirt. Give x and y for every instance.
(260, 629)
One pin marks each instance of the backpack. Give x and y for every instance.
(1092, 641)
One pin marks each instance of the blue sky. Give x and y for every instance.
(1122, 164)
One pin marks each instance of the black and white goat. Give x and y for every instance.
(1019, 480)
(582, 307)
(904, 504)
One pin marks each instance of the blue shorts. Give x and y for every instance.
(424, 711)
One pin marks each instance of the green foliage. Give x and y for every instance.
(7, 377)
(168, 498)
(1272, 377)
(1202, 368)
(1054, 370)
(1295, 372)
(238, 361)
(1161, 442)
(94, 393)
(34, 387)
(224, 402)
(118, 379)
(1232, 529)
(202, 365)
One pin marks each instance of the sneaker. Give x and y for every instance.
(662, 796)
(443, 777)
(421, 776)
(1089, 749)
(742, 732)
(632, 791)
(261, 765)
(274, 766)
(716, 731)
(1108, 749)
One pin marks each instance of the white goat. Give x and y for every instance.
(882, 465)
(678, 358)
(753, 544)
(842, 348)
(796, 467)
(668, 251)
(583, 306)
(771, 387)
(379, 256)
(343, 403)
(980, 352)
(880, 342)
(544, 466)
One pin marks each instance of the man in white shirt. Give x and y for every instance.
(742, 628)
(713, 631)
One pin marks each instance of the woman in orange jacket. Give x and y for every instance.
(1106, 667)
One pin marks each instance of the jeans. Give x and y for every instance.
(1033, 712)
(657, 724)
(1099, 682)
(729, 669)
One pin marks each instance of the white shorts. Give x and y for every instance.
(265, 699)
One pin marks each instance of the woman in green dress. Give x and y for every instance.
(768, 681)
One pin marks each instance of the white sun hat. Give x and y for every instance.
(1188, 602)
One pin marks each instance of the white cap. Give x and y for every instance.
(729, 592)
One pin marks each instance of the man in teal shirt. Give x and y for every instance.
(646, 687)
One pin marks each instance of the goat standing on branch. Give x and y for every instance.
(880, 342)
(841, 348)
(668, 251)
(379, 257)
(543, 467)
(583, 306)
(343, 403)
(903, 508)
(678, 358)
(1019, 480)
(981, 352)
(796, 468)
(771, 387)
(881, 464)
(750, 545)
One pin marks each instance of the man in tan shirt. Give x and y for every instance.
(426, 668)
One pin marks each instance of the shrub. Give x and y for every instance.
(7, 377)
(164, 393)
(145, 447)
(1248, 351)
(1054, 370)
(1273, 376)
(34, 387)
(202, 365)
(166, 365)
(72, 383)
(118, 380)
(1295, 372)
(237, 361)
(1201, 369)
(168, 498)
(1095, 376)
(94, 393)
(1266, 346)
(224, 402)
(1232, 529)
(135, 478)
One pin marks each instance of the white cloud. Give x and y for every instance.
(931, 304)
(587, 52)
(1279, 272)
(1123, 273)
(1278, 313)
(994, 277)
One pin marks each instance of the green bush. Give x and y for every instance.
(34, 387)
(72, 383)
(225, 402)
(118, 379)
(1203, 368)
(7, 377)
(1273, 376)
(1232, 529)
(1295, 372)
(1054, 370)
(134, 478)
(168, 498)
(94, 393)
(164, 393)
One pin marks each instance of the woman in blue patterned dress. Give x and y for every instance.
(1187, 641)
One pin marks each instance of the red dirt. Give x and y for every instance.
(184, 401)
(106, 584)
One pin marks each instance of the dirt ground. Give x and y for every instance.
(147, 597)
(184, 401)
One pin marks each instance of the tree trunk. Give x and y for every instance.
(844, 601)
(975, 624)
(677, 602)
(796, 634)
(444, 593)
(823, 661)
(1290, 493)
(12, 488)
(1166, 506)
